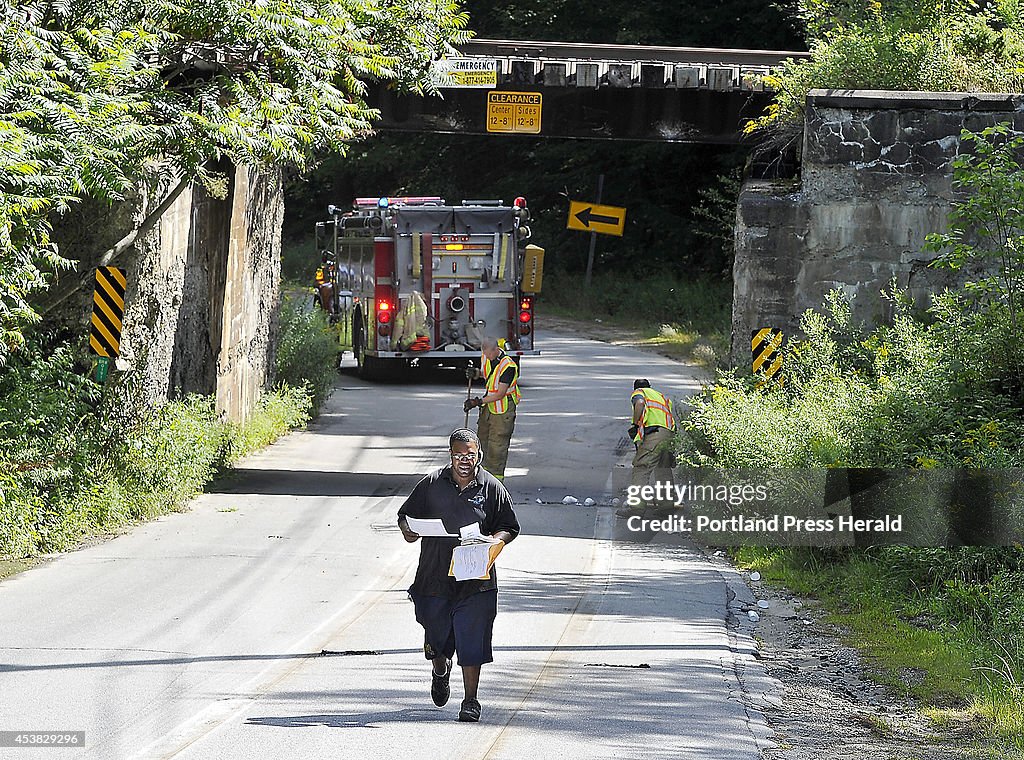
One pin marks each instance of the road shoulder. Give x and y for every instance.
(670, 346)
(829, 699)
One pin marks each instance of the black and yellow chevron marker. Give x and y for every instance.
(107, 311)
(765, 347)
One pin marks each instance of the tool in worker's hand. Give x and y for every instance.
(469, 392)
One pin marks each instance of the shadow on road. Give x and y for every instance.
(365, 720)
(312, 483)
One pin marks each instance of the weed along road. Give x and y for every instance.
(271, 620)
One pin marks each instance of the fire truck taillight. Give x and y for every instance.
(384, 314)
(525, 316)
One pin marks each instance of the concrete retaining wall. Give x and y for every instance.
(876, 179)
(200, 311)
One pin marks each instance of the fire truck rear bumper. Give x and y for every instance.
(474, 355)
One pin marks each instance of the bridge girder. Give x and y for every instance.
(604, 92)
(664, 115)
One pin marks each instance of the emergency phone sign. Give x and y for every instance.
(467, 72)
(514, 112)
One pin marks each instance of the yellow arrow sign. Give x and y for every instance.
(590, 217)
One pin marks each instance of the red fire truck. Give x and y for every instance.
(414, 281)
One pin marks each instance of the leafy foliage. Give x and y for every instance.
(905, 395)
(932, 45)
(98, 95)
(987, 224)
(73, 462)
(307, 352)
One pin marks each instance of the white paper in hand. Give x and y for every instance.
(428, 527)
(470, 534)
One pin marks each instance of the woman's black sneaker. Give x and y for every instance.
(470, 712)
(439, 688)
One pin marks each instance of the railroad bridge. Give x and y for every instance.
(604, 92)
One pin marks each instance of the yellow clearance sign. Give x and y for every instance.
(591, 217)
(514, 112)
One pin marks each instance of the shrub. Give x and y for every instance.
(906, 395)
(72, 462)
(307, 351)
(899, 46)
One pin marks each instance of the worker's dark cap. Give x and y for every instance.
(638, 384)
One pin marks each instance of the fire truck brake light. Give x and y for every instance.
(525, 316)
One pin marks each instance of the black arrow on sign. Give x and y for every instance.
(585, 216)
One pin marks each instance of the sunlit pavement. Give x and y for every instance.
(271, 620)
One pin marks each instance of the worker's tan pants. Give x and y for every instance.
(653, 456)
(495, 432)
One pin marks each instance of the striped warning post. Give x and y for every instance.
(765, 348)
(107, 311)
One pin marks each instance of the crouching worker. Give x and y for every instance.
(457, 616)
(653, 426)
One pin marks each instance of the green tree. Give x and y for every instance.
(931, 45)
(98, 97)
(987, 221)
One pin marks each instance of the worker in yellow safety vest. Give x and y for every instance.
(498, 405)
(653, 426)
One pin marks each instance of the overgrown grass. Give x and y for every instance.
(685, 318)
(151, 466)
(72, 464)
(935, 391)
(917, 629)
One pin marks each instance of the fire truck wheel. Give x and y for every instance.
(370, 367)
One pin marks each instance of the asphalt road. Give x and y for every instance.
(271, 620)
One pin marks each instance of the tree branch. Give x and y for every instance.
(128, 241)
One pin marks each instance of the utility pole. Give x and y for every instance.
(593, 236)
